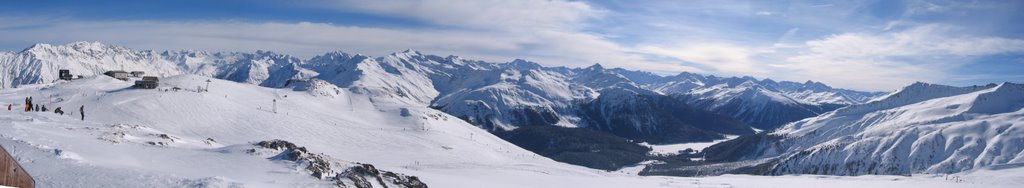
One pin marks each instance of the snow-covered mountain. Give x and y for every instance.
(41, 62)
(349, 119)
(655, 118)
(494, 96)
(763, 104)
(922, 128)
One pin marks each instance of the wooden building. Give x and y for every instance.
(11, 174)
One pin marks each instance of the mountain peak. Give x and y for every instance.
(86, 43)
(689, 74)
(410, 52)
(80, 46)
(524, 64)
(337, 56)
(919, 84)
(596, 66)
(37, 46)
(338, 53)
(90, 46)
(265, 52)
(816, 85)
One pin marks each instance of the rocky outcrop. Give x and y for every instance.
(343, 174)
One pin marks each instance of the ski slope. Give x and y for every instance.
(199, 140)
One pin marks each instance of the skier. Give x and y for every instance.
(28, 104)
(9, 107)
(58, 111)
(44, 108)
(36, 109)
(81, 110)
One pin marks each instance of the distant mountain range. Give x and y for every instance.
(496, 96)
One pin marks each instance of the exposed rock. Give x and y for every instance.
(324, 167)
(165, 136)
(276, 144)
(209, 141)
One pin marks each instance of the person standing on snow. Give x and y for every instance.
(81, 110)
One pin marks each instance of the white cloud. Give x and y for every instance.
(891, 60)
(480, 14)
(865, 61)
(721, 57)
(922, 40)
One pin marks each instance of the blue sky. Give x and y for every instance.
(867, 45)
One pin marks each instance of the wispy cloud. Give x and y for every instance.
(868, 61)
(765, 13)
(480, 14)
(717, 57)
(891, 60)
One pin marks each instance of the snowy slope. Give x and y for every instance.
(204, 138)
(923, 128)
(346, 126)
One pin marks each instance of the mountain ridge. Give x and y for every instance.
(494, 96)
